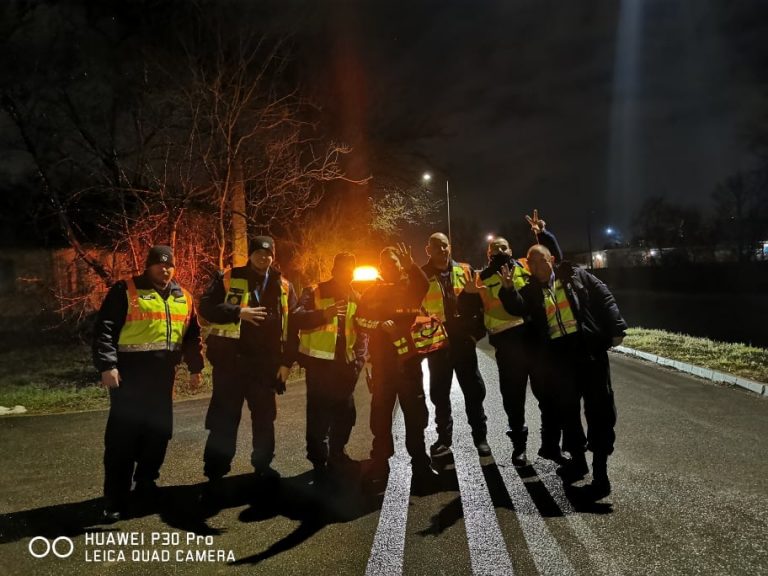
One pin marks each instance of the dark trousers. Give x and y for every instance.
(231, 386)
(393, 382)
(331, 410)
(461, 357)
(515, 359)
(584, 374)
(139, 426)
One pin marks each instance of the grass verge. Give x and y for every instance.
(60, 378)
(739, 359)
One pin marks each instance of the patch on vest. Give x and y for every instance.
(147, 297)
(235, 299)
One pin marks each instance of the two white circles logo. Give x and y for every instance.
(62, 547)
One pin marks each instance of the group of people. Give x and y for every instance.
(551, 323)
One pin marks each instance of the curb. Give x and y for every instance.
(706, 373)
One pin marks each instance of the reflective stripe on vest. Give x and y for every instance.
(236, 290)
(320, 342)
(426, 335)
(496, 318)
(560, 317)
(153, 323)
(433, 301)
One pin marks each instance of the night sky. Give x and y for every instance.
(566, 106)
(572, 107)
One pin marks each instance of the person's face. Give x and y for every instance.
(540, 265)
(261, 259)
(343, 272)
(439, 250)
(390, 267)
(499, 246)
(160, 274)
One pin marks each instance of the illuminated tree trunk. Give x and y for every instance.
(239, 223)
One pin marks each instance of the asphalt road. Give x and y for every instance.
(689, 478)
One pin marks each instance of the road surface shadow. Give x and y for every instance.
(314, 507)
(175, 504)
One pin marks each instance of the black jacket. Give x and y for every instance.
(397, 302)
(546, 238)
(463, 313)
(593, 306)
(306, 317)
(258, 345)
(111, 319)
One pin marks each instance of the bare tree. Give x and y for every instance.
(741, 211)
(255, 136)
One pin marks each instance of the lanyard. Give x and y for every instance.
(260, 290)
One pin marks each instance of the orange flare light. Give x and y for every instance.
(365, 274)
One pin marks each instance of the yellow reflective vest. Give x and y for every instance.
(433, 301)
(153, 323)
(320, 342)
(496, 318)
(560, 318)
(237, 293)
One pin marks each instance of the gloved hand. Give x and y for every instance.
(279, 386)
(281, 378)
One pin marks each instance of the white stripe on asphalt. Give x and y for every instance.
(388, 548)
(601, 560)
(487, 550)
(545, 550)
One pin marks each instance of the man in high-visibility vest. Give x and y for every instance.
(575, 320)
(247, 308)
(387, 313)
(145, 327)
(462, 315)
(510, 337)
(333, 354)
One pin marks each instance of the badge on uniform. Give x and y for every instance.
(235, 299)
(147, 296)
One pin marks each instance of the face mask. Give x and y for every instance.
(499, 259)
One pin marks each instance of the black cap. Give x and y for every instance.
(160, 255)
(344, 257)
(261, 243)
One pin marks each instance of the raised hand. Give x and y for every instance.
(506, 276)
(476, 286)
(537, 224)
(404, 255)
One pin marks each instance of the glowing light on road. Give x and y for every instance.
(365, 274)
(426, 176)
(609, 230)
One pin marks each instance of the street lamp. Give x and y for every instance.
(426, 178)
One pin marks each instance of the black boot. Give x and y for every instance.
(424, 479)
(575, 469)
(601, 486)
(519, 446)
(553, 452)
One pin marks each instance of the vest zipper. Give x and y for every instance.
(167, 324)
(558, 317)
